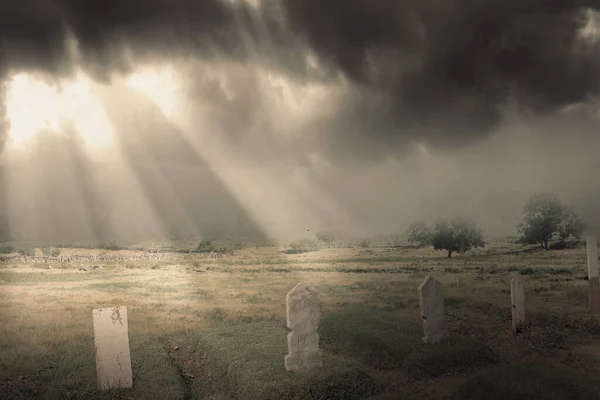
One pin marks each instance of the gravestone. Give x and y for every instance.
(593, 285)
(431, 300)
(111, 338)
(303, 314)
(517, 300)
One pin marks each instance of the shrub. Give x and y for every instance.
(26, 251)
(304, 245)
(546, 218)
(51, 251)
(419, 234)
(326, 237)
(459, 235)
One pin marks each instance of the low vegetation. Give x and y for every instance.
(214, 327)
(202, 327)
(547, 218)
(304, 245)
(51, 251)
(458, 235)
(208, 246)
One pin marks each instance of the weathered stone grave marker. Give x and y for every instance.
(303, 314)
(594, 286)
(111, 338)
(431, 300)
(517, 300)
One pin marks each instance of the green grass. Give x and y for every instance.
(33, 278)
(529, 380)
(453, 355)
(370, 329)
(68, 371)
(383, 340)
(377, 338)
(247, 361)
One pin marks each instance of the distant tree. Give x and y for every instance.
(326, 237)
(365, 243)
(419, 234)
(546, 217)
(51, 251)
(571, 225)
(26, 251)
(458, 235)
(304, 245)
(4, 229)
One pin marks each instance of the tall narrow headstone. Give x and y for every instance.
(431, 300)
(111, 337)
(517, 299)
(303, 314)
(594, 286)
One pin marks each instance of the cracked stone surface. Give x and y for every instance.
(111, 339)
(431, 301)
(517, 299)
(303, 315)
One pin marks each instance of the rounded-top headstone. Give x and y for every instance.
(303, 309)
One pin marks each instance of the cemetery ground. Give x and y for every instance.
(211, 328)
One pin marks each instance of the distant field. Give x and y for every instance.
(226, 318)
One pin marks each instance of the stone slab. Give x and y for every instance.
(517, 300)
(303, 309)
(111, 338)
(592, 256)
(431, 301)
(303, 314)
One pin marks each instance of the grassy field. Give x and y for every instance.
(214, 328)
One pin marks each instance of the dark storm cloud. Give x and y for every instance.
(448, 66)
(431, 70)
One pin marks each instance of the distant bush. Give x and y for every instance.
(204, 245)
(4, 229)
(419, 234)
(7, 249)
(547, 218)
(113, 246)
(365, 243)
(326, 237)
(567, 244)
(207, 246)
(51, 251)
(458, 235)
(304, 245)
(26, 251)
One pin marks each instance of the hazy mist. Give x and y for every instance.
(288, 117)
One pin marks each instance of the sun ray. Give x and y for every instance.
(31, 106)
(160, 84)
(34, 106)
(277, 208)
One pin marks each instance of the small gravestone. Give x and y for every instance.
(517, 299)
(431, 300)
(111, 338)
(594, 286)
(303, 314)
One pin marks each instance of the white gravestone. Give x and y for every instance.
(303, 314)
(111, 338)
(517, 299)
(431, 300)
(594, 286)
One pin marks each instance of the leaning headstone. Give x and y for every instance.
(111, 337)
(517, 299)
(303, 314)
(594, 285)
(431, 300)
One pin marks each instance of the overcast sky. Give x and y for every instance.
(270, 118)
